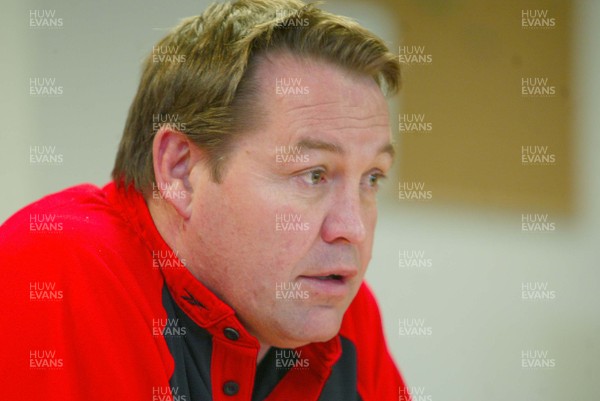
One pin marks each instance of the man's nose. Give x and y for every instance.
(345, 219)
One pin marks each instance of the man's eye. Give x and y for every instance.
(317, 176)
(374, 179)
(314, 177)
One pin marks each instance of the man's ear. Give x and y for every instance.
(173, 160)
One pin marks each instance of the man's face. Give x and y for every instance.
(286, 237)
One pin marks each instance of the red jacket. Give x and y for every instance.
(96, 306)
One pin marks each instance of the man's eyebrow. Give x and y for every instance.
(389, 149)
(318, 144)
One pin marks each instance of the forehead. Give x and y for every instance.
(305, 94)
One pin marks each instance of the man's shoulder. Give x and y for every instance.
(60, 213)
(74, 218)
(65, 230)
(79, 242)
(79, 285)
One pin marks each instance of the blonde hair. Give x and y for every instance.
(200, 77)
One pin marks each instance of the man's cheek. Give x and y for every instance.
(291, 218)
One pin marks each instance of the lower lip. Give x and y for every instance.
(328, 288)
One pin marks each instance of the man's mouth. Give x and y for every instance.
(338, 274)
(330, 277)
(333, 284)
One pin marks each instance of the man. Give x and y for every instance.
(226, 259)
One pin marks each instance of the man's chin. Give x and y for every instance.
(311, 331)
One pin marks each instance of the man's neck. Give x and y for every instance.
(262, 351)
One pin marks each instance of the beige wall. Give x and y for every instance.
(471, 91)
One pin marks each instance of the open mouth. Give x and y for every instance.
(330, 277)
(332, 286)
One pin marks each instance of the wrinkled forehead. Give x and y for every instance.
(302, 85)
